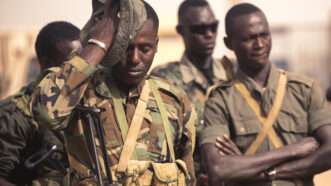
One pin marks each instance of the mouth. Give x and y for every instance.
(135, 72)
(260, 55)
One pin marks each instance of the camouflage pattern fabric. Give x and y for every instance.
(80, 83)
(21, 136)
(132, 16)
(185, 75)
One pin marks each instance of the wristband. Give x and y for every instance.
(100, 44)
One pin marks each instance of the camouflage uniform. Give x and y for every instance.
(304, 109)
(185, 75)
(20, 137)
(78, 82)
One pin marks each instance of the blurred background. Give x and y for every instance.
(301, 31)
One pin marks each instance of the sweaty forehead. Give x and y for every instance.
(198, 15)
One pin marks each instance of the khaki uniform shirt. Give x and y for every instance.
(81, 83)
(303, 110)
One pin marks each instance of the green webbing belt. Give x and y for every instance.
(120, 114)
(119, 111)
(164, 117)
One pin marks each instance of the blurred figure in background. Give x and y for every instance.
(197, 70)
(20, 134)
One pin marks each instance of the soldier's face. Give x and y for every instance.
(199, 31)
(140, 55)
(251, 40)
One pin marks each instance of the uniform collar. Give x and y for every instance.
(103, 80)
(191, 73)
(253, 86)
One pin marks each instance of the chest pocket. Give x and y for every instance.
(157, 134)
(293, 126)
(245, 130)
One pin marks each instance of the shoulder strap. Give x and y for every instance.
(164, 116)
(119, 111)
(137, 120)
(270, 119)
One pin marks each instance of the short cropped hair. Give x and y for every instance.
(186, 5)
(236, 11)
(50, 35)
(152, 15)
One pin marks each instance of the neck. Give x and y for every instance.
(260, 76)
(122, 86)
(201, 62)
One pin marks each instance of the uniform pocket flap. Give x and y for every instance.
(290, 122)
(165, 172)
(247, 126)
(295, 125)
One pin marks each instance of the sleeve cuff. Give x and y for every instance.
(82, 66)
(210, 133)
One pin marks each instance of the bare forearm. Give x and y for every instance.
(316, 162)
(92, 54)
(313, 164)
(242, 167)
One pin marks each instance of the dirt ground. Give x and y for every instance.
(323, 179)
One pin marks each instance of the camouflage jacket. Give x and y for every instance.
(60, 93)
(185, 75)
(20, 136)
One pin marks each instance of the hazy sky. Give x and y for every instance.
(32, 14)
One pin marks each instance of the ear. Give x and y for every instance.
(179, 29)
(156, 44)
(228, 43)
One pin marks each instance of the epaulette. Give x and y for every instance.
(220, 84)
(171, 66)
(166, 86)
(296, 78)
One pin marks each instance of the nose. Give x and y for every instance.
(258, 42)
(134, 56)
(209, 33)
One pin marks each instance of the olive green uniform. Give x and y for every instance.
(303, 110)
(78, 82)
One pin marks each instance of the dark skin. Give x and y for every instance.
(198, 47)
(63, 51)
(251, 43)
(102, 31)
(140, 54)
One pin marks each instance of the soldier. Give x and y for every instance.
(142, 128)
(273, 117)
(19, 134)
(197, 70)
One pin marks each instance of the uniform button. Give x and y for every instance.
(202, 122)
(242, 129)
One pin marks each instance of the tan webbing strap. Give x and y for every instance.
(266, 121)
(165, 119)
(137, 120)
(78, 166)
(119, 111)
